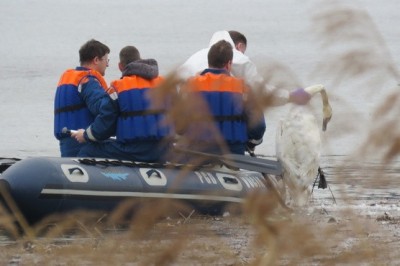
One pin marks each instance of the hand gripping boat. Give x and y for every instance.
(48, 185)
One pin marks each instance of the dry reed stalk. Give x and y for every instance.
(280, 238)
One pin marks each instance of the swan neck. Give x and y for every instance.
(312, 90)
(324, 96)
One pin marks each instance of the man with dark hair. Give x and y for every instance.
(81, 102)
(239, 40)
(226, 100)
(220, 55)
(127, 55)
(141, 133)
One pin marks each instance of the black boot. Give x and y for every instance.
(322, 180)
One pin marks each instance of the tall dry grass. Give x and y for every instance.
(262, 233)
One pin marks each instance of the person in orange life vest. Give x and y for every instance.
(141, 134)
(226, 99)
(82, 103)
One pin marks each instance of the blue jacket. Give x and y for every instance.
(82, 102)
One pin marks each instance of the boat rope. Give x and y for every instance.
(133, 164)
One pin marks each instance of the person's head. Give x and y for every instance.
(94, 54)
(127, 55)
(239, 40)
(220, 55)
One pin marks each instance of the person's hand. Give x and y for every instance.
(299, 96)
(79, 135)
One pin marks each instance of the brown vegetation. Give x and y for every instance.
(262, 233)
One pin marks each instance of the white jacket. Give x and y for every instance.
(242, 67)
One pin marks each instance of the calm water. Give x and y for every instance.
(40, 39)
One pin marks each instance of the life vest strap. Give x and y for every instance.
(233, 118)
(69, 108)
(220, 118)
(141, 113)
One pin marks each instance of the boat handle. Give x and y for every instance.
(230, 180)
(150, 174)
(75, 170)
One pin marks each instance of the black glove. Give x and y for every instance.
(251, 145)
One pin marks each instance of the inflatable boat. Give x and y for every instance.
(49, 185)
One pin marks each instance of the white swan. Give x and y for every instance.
(298, 143)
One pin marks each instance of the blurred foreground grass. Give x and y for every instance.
(361, 229)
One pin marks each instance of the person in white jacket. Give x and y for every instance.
(242, 67)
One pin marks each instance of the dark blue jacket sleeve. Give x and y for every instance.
(102, 107)
(254, 115)
(256, 130)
